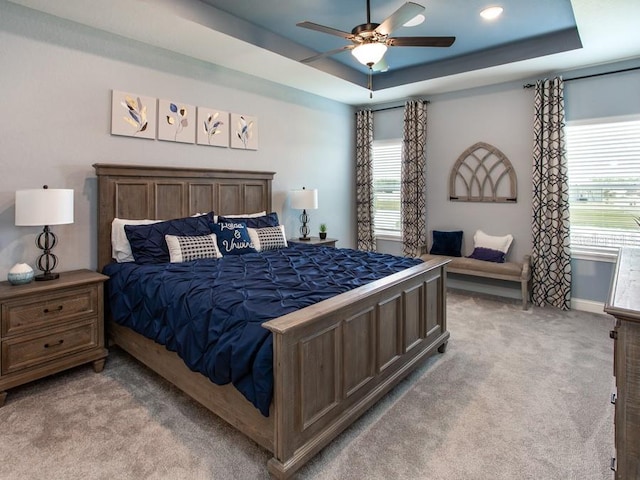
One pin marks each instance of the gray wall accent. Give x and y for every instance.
(55, 89)
(503, 118)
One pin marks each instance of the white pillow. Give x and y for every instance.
(184, 249)
(502, 244)
(268, 238)
(120, 247)
(241, 215)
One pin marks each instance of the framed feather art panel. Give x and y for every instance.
(176, 122)
(133, 115)
(244, 132)
(213, 127)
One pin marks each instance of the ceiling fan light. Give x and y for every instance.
(369, 53)
(491, 13)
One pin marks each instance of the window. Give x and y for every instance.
(604, 183)
(387, 156)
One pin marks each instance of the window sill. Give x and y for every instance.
(595, 254)
(388, 237)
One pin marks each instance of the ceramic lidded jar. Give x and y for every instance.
(20, 273)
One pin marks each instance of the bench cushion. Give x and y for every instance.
(507, 269)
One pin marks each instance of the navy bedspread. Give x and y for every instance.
(210, 311)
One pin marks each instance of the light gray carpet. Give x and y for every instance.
(517, 395)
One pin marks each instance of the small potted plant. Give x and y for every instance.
(323, 231)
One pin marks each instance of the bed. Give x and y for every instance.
(331, 360)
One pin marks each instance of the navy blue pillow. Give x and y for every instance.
(148, 244)
(268, 220)
(233, 238)
(447, 243)
(488, 255)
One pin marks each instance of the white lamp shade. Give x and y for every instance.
(369, 53)
(44, 206)
(304, 199)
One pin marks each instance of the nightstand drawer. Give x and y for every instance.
(24, 352)
(45, 310)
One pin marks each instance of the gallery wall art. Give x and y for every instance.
(133, 115)
(176, 122)
(213, 127)
(244, 132)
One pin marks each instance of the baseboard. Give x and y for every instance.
(502, 289)
(587, 305)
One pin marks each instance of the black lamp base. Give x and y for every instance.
(304, 229)
(46, 276)
(47, 261)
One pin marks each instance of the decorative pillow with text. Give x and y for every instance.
(233, 238)
(252, 221)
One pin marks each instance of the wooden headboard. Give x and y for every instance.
(136, 192)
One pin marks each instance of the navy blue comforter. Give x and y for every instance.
(210, 311)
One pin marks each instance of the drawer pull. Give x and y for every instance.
(613, 398)
(58, 343)
(613, 334)
(58, 309)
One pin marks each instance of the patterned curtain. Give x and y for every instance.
(364, 180)
(413, 201)
(551, 258)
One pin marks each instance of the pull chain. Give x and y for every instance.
(370, 82)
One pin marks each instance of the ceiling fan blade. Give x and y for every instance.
(401, 16)
(421, 41)
(323, 29)
(326, 54)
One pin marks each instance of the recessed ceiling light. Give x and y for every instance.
(417, 20)
(491, 13)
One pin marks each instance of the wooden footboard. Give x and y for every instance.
(335, 359)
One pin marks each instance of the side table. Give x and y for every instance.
(327, 242)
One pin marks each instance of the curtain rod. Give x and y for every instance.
(531, 85)
(397, 106)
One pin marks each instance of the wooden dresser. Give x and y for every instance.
(624, 305)
(49, 326)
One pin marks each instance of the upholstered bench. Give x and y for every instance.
(509, 271)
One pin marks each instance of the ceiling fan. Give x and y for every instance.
(370, 40)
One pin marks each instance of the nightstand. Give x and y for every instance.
(327, 242)
(47, 327)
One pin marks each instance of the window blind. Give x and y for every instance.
(604, 183)
(386, 186)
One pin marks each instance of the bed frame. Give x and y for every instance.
(331, 361)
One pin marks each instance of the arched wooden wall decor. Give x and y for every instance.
(478, 175)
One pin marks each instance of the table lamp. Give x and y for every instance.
(45, 207)
(304, 200)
